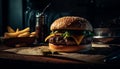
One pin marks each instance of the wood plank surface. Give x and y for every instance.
(56, 58)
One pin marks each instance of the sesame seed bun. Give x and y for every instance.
(71, 23)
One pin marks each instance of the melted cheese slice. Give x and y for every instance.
(78, 38)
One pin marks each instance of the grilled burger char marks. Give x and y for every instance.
(59, 40)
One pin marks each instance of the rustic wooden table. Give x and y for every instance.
(90, 58)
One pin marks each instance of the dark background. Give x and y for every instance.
(100, 13)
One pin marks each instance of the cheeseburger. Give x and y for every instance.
(70, 34)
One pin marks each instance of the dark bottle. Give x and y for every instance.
(41, 28)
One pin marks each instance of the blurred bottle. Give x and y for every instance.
(41, 28)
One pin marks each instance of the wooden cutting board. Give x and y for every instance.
(89, 58)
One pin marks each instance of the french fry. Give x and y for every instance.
(24, 30)
(33, 33)
(11, 35)
(17, 30)
(25, 34)
(10, 30)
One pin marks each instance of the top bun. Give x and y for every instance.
(71, 23)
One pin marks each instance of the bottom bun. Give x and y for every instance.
(62, 48)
